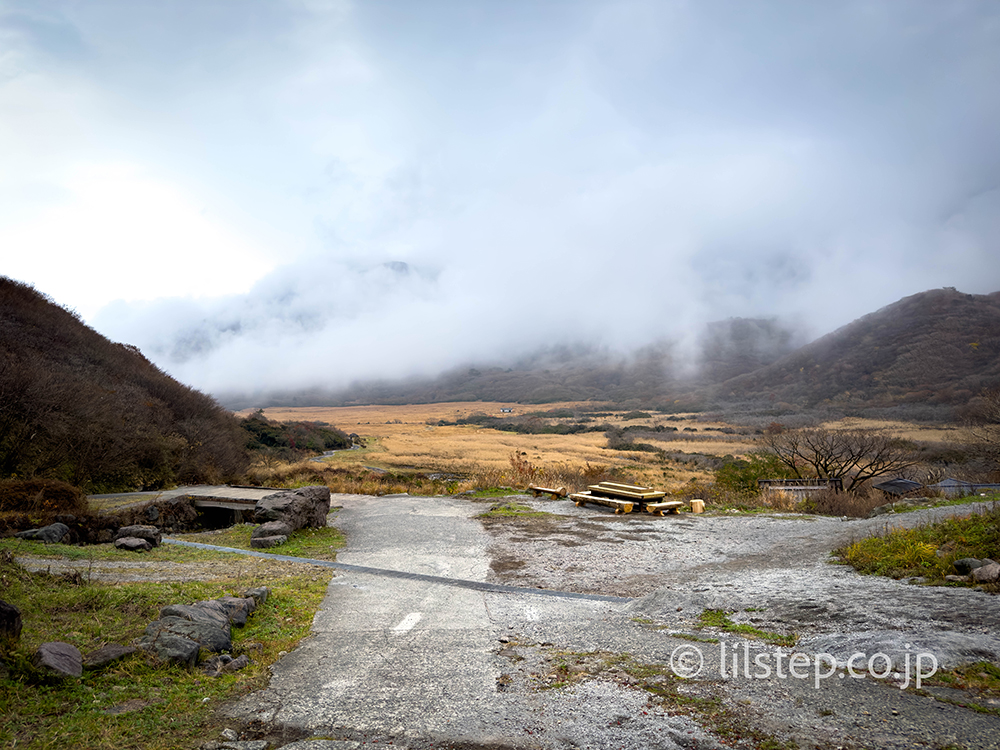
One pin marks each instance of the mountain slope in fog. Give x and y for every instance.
(936, 347)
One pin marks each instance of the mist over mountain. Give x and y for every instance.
(925, 355)
(939, 347)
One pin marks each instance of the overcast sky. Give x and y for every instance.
(235, 186)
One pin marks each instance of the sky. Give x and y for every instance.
(301, 193)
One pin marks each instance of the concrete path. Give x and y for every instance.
(419, 663)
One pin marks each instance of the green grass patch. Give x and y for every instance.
(316, 544)
(510, 510)
(719, 618)
(134, 703)
(927, 550)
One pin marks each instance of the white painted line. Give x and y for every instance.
(408, 622)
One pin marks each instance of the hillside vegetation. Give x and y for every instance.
(81, 409)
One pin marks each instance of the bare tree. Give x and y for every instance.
(983, 429)
(852, 455)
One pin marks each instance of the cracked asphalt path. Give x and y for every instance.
(419, 664)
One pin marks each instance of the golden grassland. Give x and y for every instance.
(407, 438)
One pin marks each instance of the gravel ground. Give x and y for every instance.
(775, 573)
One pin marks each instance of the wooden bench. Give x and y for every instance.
(620, 506)
(536, 491)
(628, 491)
(625, 497)
(661, 509)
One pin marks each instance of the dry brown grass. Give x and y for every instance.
(408, 439)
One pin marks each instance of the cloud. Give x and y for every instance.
(227, 186)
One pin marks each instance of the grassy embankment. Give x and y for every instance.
(136, 703)
(928, 550)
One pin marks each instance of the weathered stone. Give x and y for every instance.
(210, 612)
(10, 625)
(133, 544)
(149, 533)
(238, 609)
(235, 665)
(304, 507)
(989, 573)
(966, 565)
(272, 528)
(52, 534)
(58, 659)
(259, 595)
(170, 647)
(957, 579)
(268, 541)
(107, 655)
(206, 634)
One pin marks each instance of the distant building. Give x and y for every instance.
(800, 489)
(898, 486)
(958, 488)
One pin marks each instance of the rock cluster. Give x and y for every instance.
(971, 570)
(284, 512)
(182, 630)
(176, 637)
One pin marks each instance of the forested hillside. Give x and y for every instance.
(936, 348)
(79, 408)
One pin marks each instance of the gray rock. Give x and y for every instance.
(265, 542)
(52, 534)
(306, 506)
(170, 647)
(107, 655)
(966, 565)
(10, 625)
(207, 635)
(133, 544)
(238, 609)
(210, 612)
(272, 528)
(232, 745)
(989, 573)
(259, 595)
(149, 533)
(958, 579)
(58, 659)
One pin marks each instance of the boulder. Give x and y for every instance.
(207, 635)
(133, 544)
(263, 542)
(989, 573)
(58, 660)
(107, 655)
(272, 528)
(238, 609)
(300, 508)
(141, 531)
(52, 534)
(208, 612)
(966, 565)
(170, 647)
(10, 625)
(259, 595)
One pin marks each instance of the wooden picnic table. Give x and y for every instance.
(625, 497)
